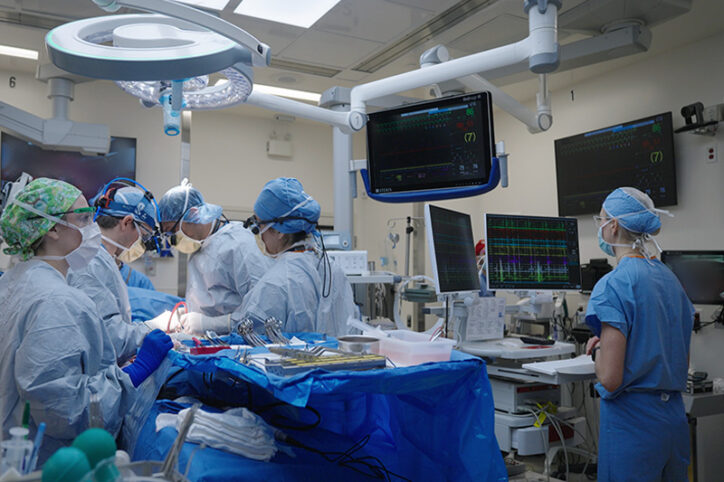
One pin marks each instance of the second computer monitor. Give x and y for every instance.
(532, 253)
(452, 250)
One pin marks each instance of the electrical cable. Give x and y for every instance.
(345, 459)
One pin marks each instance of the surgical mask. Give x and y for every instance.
(87, 249)
(133, 252)
(186, 244)
(639, 244)
(605, 247)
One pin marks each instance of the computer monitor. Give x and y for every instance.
(532, 253)
(437, 144)
(452, 250)
(701, 273)
(639, 153)
(87, 172)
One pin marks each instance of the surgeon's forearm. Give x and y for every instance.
(611, 357)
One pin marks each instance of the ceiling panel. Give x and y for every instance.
(499, 31)
(329, 49)
(376, 20)
(276, 35)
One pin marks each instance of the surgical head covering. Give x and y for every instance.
(284, 197)
(21, 228)
(634, 210)
(133, 201)
(177, 203)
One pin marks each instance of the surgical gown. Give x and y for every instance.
(52, 355)
(223, 271)
(292, 293)
(102, 282)
(644, 432)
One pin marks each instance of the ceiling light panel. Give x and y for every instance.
(18, 52)
(292, 12)
(209, 4)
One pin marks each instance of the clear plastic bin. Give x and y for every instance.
(406, 348)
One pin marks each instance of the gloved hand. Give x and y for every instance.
(198, 323)
(161, 322)
(152, 352)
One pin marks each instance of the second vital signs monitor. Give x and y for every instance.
(532, 253)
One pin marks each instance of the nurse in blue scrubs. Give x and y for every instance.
(642, 320)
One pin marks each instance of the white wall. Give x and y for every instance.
(230, 165)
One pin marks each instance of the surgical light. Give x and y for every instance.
(164, 60)
(292, 12)
(18, 52)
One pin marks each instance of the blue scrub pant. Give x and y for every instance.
(644, 436)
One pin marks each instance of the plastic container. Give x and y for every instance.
(16, 451)
(406, 348)
(359, 344)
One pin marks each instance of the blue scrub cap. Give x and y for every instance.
(178, 200)
(634, 210)
(131, 200)
(284, 197)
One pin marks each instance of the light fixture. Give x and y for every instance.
(210, 4)
(163, 60)
(290, 93)
(292, 12)
(18, 52)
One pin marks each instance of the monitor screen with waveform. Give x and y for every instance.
(438, 144)
(639, 154)
(452, 250)
(532, 253)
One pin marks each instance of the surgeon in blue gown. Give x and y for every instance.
(303, 289)
(224, 259)
(642, 320)
(55, 352)
(126, 216)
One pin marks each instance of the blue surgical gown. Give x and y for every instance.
(292, 292)
(644, 433)
(102, 282)
(53, 355)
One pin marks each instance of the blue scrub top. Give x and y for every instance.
(644, 300)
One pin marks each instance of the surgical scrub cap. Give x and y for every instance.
(633, 209)
(284, 197)
(49, 196)
(177, 201)
(131, 200)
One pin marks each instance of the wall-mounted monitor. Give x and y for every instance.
(701, 273)
(438, 144)
(87, 172)
(639, 154)
(532, 253)
(452, 250)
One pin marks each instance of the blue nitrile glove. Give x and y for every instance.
(153, 350)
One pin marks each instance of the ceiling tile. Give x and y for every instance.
(329, 49)
(275, 35)
(376, 20)
(502, 30)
